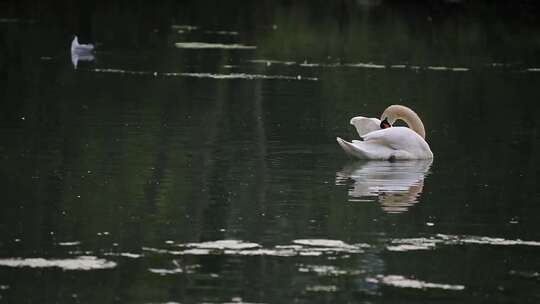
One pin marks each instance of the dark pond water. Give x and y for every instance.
(192, 157)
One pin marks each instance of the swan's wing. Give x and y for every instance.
(397, 138)
(366, 150)
(365, 125)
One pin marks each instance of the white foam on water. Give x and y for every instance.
(327, 270)
(444, 68)
(163, 251)
(533, 70)
(164, 271)
(403, 282)
(241, 76)
(484, 240)
(195, 251)
(79, 263)
(438, 68)
(410, 247)
(411, 244)
(206, 45)
(120, 71)
(224, 244)
(365, 65)
(124, 254)
(263, 252)
(205, 75)
(4, 287)
(324, 243)
(75, 243)
(270, 62)
(303, 247)
(310, 65)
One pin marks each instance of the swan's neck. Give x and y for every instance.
(412, 120)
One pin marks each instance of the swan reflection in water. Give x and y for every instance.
(76, 57)
(396, 185)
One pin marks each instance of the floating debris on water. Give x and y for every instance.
(365, 65)
(270, 62)
(75, 243)
(124, 254)
(176, 270)
(410, 244)
(240, 76)
(402, 282)
(303, 247)
(79, 263)
(224, 244)
(327, 270)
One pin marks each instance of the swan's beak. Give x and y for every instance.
(385, 124)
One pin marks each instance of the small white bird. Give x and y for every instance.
(81, 52)
(80, 48)
(379, 140)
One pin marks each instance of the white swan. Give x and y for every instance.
(379, 140)
(81, 52)
(80, 48)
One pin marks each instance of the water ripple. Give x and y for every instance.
(204, 75)
(79, 263)
(205, 45)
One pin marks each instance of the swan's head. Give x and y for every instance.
(392, 113)
(385, 124)
(395, 112)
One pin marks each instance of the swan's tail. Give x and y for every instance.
(351, 150)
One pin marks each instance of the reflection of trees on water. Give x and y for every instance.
(395, 185)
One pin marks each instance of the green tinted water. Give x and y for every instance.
(128, 178)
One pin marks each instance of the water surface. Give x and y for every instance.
(192, 157)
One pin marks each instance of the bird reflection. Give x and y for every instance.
(75, 58)
(396, 185)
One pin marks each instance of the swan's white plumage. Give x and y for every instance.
(81, 52)
(365, 125)
(76, 47)
(394, 143)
